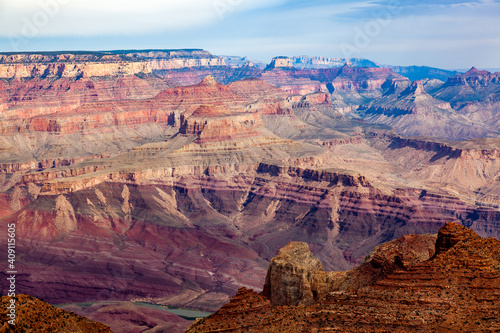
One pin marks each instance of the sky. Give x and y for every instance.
(438, 33)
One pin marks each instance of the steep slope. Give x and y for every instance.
(353, 87)
(101, 63)
(413, 112)
(30, 103)
(455, 290)
(475, 94)
(34, 315)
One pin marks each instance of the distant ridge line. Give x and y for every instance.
(99, 51)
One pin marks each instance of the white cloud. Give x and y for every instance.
(105, 17)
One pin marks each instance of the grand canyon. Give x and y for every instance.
(172, 178)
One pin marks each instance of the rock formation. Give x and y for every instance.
(34, 315)
(454, 289)
(475, 95)
(95, 64)
(288, 280)
(280, 62)
(296, 277)
(413, 112)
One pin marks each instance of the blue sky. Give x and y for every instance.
(441, 33)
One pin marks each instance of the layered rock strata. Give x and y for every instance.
(98, 64)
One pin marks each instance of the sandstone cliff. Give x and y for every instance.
(95, 64)
(280, 62)
(455, 289)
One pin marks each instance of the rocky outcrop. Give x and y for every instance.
(296, 277)
(475, 94)
(288, 280)
(34, 315)
(474, 77)
(454, 290)
(75, 70)
(280, 62)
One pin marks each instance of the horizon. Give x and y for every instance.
(461, 70)
(445, 34)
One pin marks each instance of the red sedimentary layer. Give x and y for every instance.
(206, 97)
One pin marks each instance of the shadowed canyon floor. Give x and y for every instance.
(151, 181)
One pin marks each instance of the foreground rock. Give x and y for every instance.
(34, 315)
(456, 290)
(296, 277)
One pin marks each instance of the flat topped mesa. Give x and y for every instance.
(280, 62)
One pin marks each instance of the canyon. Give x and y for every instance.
(169, 177)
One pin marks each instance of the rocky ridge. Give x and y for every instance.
(413, 112)
(34, 315)
(97, 64)
(454, 288)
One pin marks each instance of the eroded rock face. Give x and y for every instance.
(288, 277)
(296, 277)
(95, 64)
(455, 290)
